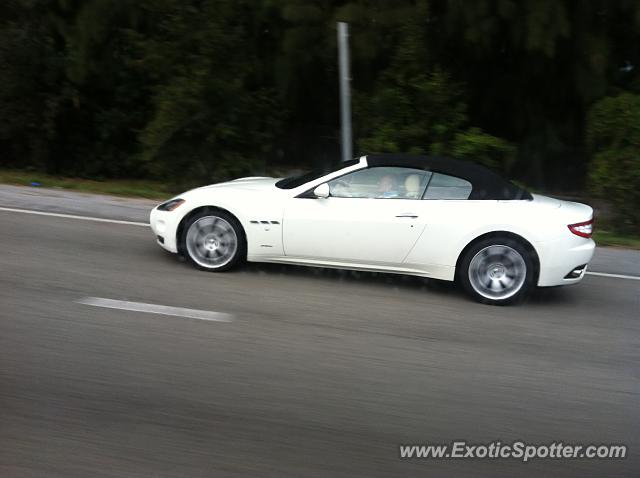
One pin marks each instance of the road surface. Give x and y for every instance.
(308, 372)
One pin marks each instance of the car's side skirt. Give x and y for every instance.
(434, 272)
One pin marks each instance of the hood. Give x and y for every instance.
(249, 184)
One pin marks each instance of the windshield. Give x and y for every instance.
(293, 182)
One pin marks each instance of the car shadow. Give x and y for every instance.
(539, 296)
(376, 279)
(544, 296)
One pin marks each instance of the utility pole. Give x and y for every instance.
(345, 93)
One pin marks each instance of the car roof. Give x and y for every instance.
(485, 183)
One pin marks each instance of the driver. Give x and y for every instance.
(388, 187)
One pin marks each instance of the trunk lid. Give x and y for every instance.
(571, 212)
(546, 201)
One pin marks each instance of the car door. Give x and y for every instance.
(372, 216)
(449, 217)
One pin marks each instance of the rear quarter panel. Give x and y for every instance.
(451, 225)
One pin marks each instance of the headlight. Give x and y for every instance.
(170, 205)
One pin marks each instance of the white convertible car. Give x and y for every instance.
(424, 216)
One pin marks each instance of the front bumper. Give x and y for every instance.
(164, 225)
(559, 258)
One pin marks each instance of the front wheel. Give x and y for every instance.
(497, 271)
(214, 241)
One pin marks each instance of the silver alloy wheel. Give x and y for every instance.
(211, 242)
(497, 272)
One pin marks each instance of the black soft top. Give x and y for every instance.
(485, 183)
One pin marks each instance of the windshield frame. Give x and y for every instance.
(293, 182)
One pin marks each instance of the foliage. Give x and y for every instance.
(478, 146)
(418, 114)
(613, 134)
(412, 109)
(209, 119)
(200, 90)
(29, 93)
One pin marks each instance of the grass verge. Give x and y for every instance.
(608, 238)
(117, 187)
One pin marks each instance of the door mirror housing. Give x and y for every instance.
(322, 191)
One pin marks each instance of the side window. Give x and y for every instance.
(443, 186)
(381, 183)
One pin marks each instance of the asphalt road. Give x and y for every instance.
(320, 372)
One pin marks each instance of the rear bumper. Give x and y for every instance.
(560, 257)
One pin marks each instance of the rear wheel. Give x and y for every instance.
(497, 271)
(214, 241)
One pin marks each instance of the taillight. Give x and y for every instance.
(582, 229)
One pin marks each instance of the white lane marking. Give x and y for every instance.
(157, 309)
(613, 276)
(71, 216)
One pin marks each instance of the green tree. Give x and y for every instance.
(101, 100)
(532, 68)
(30, 72)
(417, 107)
(205, 89)
(614, 139)
(210, 119)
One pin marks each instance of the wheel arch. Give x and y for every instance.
(198, 210)
(503, 234)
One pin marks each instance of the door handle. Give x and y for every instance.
(408, 214)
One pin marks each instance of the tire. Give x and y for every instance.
(214, 241)
(497, 271)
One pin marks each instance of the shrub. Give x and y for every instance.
(613, 137)
(480, 147)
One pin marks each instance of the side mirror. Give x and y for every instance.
(321, 191)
